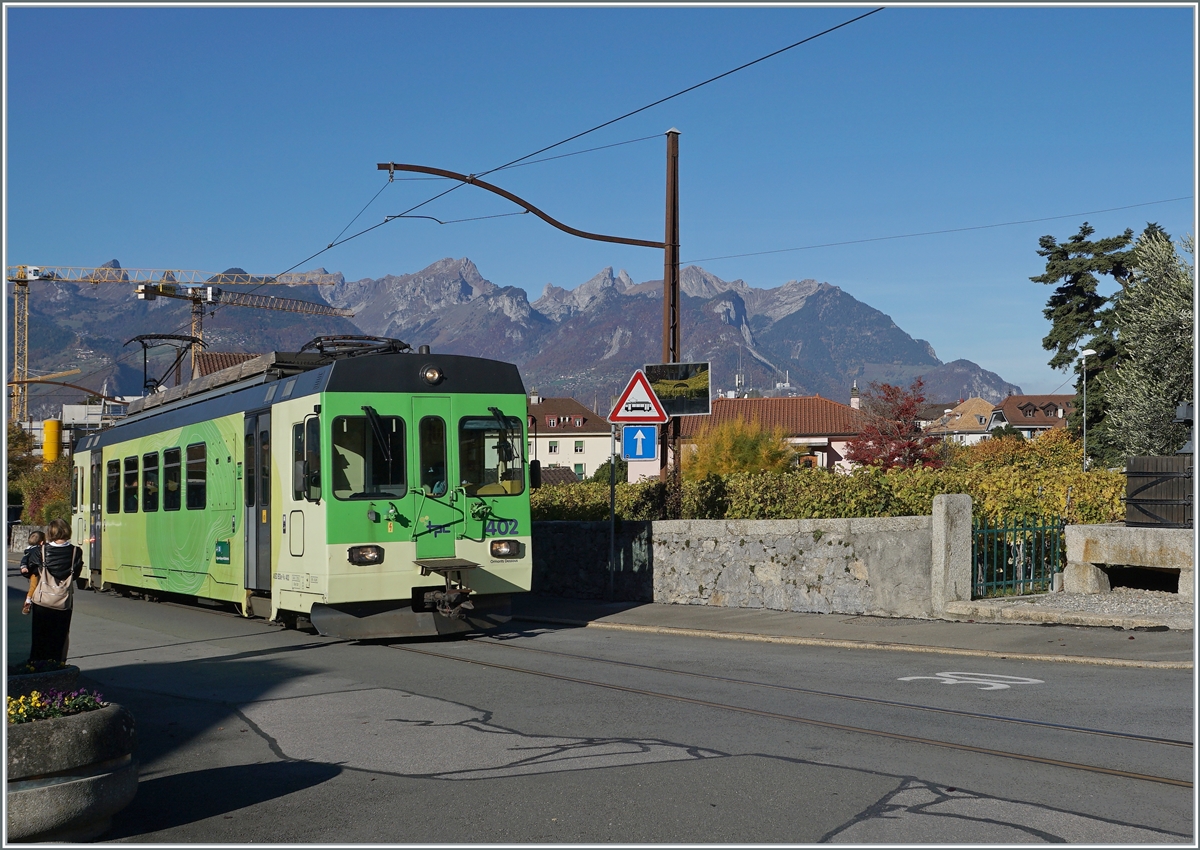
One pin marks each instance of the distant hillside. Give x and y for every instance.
(584, 342)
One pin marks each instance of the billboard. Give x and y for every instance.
(683, 388)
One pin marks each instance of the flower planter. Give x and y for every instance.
(23, 684)
(67, 776)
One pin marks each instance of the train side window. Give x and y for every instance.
(306, 460)
(264, 468)
(251, 470)
(298, 462)
(150, 482)
(490, 457)
(432, 431)
(197, 477)
(75, 488)
(114, 486)
(131, 485)
(368, 458)
(172, 479)
(312, 456)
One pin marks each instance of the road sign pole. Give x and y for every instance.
(612, 514)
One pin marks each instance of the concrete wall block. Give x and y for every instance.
(1117, 544)
(950, 545)
(1084, 578)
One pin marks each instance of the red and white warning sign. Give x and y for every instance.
(638, 405)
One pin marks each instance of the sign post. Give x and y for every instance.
(636, 405)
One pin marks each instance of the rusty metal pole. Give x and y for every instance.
(670, 350)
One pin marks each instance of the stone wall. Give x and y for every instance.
(893, 566)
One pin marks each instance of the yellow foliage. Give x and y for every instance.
(736, 445)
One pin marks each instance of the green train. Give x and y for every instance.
(377, 490)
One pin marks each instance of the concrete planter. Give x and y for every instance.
(23, 684)
(67, 776)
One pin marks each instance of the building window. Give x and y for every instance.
(579, 471)
(553, 448)
(579, 447)
(1028, 411)
(578, 421)
(552, 421)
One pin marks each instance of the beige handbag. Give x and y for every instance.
(51, 592)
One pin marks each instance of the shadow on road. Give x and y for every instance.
(178, 799)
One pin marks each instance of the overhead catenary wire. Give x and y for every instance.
(934, 232)
(601, 126)
(750, 254)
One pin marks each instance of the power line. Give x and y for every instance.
(512, 163)
(662, 100)
(935, 232)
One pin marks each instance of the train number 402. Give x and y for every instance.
(500, 526)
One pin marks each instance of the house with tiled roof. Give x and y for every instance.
(818, 427)
(566, 434)
(965, 423)
(1032, 414)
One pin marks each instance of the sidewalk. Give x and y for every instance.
(1107, 643)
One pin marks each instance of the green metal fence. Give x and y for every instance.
(1016, 556)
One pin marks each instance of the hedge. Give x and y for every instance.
(1077, 496)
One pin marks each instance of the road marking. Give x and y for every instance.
(986, 681)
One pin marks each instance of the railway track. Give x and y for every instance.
(816, 722)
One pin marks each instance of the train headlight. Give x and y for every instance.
(505, 549)
(433, 375)
(366, 556)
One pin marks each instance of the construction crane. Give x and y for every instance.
(201, 288)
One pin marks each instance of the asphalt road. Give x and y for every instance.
(249, 733)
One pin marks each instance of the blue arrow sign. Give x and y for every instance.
(639, 442)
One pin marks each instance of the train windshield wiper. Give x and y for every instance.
(380, 435)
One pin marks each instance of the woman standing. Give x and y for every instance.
(58, 565)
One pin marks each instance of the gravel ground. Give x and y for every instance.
(1120, 602)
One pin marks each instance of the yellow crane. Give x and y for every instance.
(203, 289)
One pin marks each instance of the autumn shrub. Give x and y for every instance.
(736, 445)
(47, 486)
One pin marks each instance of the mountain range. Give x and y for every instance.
(584, 342)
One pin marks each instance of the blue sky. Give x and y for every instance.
(206, 138)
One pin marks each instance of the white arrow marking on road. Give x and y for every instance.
(986, 681)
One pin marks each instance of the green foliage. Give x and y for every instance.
(601, 475)
(1007, 432)
(1082, 318)
(736, 446)
(1156, 316)
(1005, 478)
(46, 487)
(20, 458)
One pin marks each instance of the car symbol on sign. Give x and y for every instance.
(644, 406)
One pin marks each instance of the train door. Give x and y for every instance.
(439, 509)
(256, 481)
(96, 519)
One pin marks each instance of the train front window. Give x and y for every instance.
(368, 457)
(490, 455)
(433, 456)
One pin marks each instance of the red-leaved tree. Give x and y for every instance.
(892, 437)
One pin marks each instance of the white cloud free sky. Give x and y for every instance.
(213, 137)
